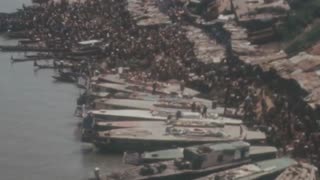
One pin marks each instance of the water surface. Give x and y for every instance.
(37, 124)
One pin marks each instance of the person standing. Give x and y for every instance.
(204, 111)
(182, 86)
(193, 107)
(154, 88)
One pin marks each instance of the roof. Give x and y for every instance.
(247, 10)
(262, 150)
(303, 68)
(146, 13)
(206, 49)
(220, 147)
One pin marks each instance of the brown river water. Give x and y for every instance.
(37, 126)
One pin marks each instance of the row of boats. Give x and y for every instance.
(166, 132)
(165, 137)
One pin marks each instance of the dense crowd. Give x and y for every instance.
(165, 50)
(164, 53)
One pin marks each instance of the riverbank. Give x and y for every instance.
(216, 59)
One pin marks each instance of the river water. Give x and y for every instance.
(37, 124)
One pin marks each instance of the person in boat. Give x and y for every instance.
(193, 107)
(88, 122)
(198, 108)
(55, 65)
(178, 115)
(96, 72)
(35, 64)
(154, 88)
(80, 101)
(182, 86)
(61, 66)
(204, 111)
(214, 105)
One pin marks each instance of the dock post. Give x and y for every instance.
(97, 173)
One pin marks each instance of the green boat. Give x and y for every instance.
(263, 170)
(198, 161)
(257, 153)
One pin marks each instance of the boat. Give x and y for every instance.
(40, 56)
(299, 171)
(109, 125)
(45, 66)
(256, 153)
(268, 169)
(102, 125)
(112, 103)
(16, 60)
(65, 77)
(129, 87)
(99, 94)
(135, 114)
(30, 48)
(140, 139)
(197, 161)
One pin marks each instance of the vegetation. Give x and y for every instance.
(302, 14)
(305, 41)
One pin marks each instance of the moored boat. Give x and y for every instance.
(156, 138)
(299, 171)
(136, 114)
(65, 77)
(256, 153)
(197, 161)
(268, 169)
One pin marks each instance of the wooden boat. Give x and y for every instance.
(148, 105)
(16, 60)
(66, 77)
(85, 51)
(256, 153)
(102, 125)
(17, 35)
(268, 169)
(39, 56)
(31, 48)
(132, 114)
(28, 41)
(130, 88)
(142, 139)
(45, 66)
(109, 125)
(198, 161)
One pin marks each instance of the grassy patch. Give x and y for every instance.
(292, 30)
(302, 13)
(305, 41)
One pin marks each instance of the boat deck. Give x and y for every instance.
(253, 171)
(154, 133)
